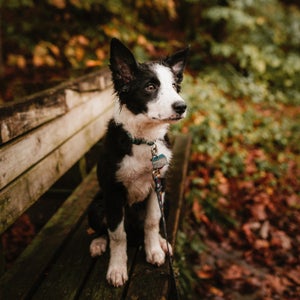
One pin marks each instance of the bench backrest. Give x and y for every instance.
(44, 135)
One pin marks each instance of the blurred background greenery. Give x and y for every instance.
(240, 237)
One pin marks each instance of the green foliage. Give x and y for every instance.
(16, 3)
(255, 43)
(185, 273)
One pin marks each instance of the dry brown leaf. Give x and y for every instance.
(205, 272)
(197, 210)
(258, 212)
(281, 239)
(261, 244)
(294, 275)
(264, 231)
(276, 283)
(248, 233)
(233, 272)
(215, 291)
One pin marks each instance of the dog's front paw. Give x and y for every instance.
(165, 245)
(155, 256)
(117, 276)
(98, 246)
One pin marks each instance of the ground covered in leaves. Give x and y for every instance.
(241, 231)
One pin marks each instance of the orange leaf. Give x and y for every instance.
(215, 291)
(197, 210)
(233, 272)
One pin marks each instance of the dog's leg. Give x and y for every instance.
(117, 269)
(155, 245)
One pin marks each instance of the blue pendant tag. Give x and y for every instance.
(159, 161)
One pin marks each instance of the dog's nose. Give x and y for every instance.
(179, 107)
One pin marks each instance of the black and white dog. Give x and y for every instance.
(148, 102)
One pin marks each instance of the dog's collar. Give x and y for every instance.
(139, 141)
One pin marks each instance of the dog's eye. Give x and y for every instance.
(150, 87)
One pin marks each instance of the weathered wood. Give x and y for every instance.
(18, 117)
(176, 183)
(66, 274)
(22, 117)
(25, 190)
(148, 282)
(31, 148)
(19, 282)
(96, 286)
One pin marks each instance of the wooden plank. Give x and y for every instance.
(25, 190)
(97, 287)
(149, 282)
(17, 283)
(32, 147)
(18, 117)
(176, 183)
(67, 273)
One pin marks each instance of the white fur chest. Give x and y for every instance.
(135, 171)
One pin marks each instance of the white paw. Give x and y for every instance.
(117, 276)
(155, 256)
(165, 245)
(98, 246)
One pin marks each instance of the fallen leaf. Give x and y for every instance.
(258, 212)
(206, 272)
(294, 275)
(215, 291)
(197, 210)
(264, 231)
(281, 239)
(233, 272)
(261, 244)
(275, 283)
(248, 233)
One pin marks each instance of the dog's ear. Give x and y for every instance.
(177, 62)
(122, 63)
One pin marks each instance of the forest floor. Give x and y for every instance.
(241, 228)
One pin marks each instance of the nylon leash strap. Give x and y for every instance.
(159, 161)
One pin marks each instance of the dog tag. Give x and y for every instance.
(159, 161)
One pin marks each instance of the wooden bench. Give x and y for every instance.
(41, 138)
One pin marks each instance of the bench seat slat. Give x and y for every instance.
(66, 274)
(17, 283)
(97, 287)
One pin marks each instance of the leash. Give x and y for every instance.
(159, 161)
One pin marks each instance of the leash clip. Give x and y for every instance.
(158, 161)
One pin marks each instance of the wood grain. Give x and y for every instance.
(25, 152)
(26, 189)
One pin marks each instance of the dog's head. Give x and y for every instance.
(152, 88)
